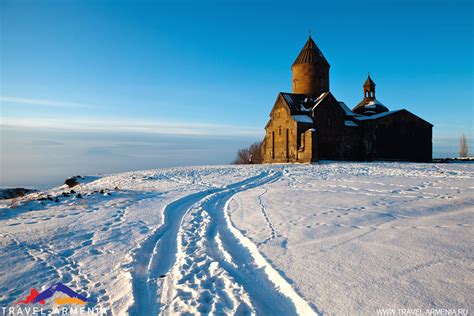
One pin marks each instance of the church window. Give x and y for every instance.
(273, 144)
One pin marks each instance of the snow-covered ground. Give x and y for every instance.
(330, 238)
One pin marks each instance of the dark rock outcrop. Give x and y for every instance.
(14, 193)
(71, 182)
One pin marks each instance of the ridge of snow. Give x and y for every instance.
(350, 123)
(302, 118)
(376, 116)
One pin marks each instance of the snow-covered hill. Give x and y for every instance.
(330, 238)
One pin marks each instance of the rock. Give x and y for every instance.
(71, 182)
(14, 193)
(79, 196)
(72, 191)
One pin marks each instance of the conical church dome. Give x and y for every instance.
(310, 54)
(310, 71)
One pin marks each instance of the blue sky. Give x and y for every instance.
(105, 86)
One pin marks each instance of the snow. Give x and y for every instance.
(303, 108)
(329, 238)
(321, 96)
(303, 118)
(376, 116)
(355, 238)
(350, 123)
(320, 99)
(373, 103)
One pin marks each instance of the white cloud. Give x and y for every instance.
(132, 126)
(40, 102)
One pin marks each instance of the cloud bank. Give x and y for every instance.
(5, 100)
(108, 125)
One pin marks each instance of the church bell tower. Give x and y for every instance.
(310, 71)
(369, 88)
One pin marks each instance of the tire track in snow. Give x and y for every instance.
(157, 254)
(220, 271)
(197, 283)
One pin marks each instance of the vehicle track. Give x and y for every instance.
(196, 259)
(157, 254)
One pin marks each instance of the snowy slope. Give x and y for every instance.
(331, 238)
(355, 238)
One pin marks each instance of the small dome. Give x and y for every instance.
(369, 107)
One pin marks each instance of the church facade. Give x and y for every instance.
(310, 124)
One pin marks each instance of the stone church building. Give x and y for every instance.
(311, 124)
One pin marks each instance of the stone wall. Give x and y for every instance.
(329, 123)
(400, 136)
(283, 137)
(308, 148)
(310, 79)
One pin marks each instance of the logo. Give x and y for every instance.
(71, 298)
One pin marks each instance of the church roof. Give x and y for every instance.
(396, 112)
(310, 54)
(369, 82)
(370, 106)
(306, 119)
(301, 104)
(346, 109)
(298, 103)
(376, 116)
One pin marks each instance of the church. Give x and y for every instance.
(310, 124)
